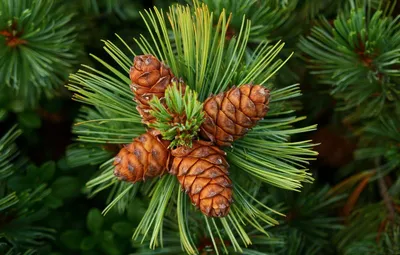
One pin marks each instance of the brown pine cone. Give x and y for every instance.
(147, 156)
(229, 115)
(203, 173)
(149, 77)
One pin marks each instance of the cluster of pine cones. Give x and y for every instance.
(202, 170)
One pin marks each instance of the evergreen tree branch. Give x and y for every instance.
(357, 55)
(38, 49)
(208, 64)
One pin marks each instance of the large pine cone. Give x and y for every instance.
(147, 156)
(149, 77)
(229, 115)
(203, 173)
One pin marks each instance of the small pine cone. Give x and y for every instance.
(149, 77)
(229, 115)
(147, 156)
(203, 173)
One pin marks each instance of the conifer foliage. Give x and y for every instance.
(206, 68)
(358, 56)
(38, 50)
(19, 212)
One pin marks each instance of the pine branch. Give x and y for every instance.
(358, 56)
(208, 64)
(20, 198)
(36, 34)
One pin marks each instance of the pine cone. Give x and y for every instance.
(229, 115)
(203, 173)
(149, 78)
(147, 156)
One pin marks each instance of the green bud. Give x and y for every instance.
(180, 118)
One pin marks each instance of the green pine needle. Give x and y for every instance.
(153, 218)
(8, 152)
(182, 214)
(86, 154)
(181, 117)
(381, 138)
(387, 243)
(374, 214)
(266, 16)
(19, 231)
